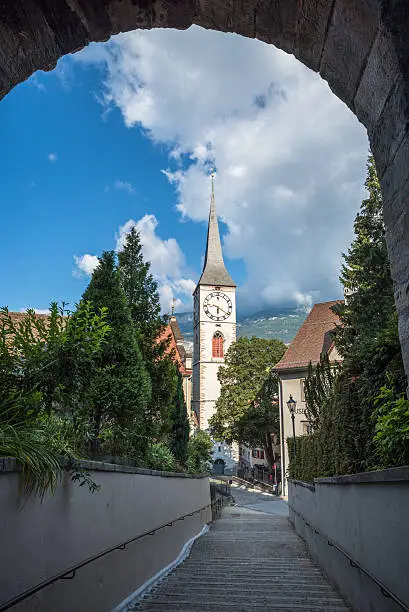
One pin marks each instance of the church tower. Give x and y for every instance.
(214, 327)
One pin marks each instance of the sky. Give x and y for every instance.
(128, 132)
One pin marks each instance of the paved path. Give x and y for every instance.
(251, 559)
(259, 500)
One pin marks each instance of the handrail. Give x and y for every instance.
(353, 563)
(69, 574)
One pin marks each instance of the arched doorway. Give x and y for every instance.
(359, 47)
(218, 467)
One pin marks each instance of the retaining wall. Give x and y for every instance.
(367, 516)
(42, 538)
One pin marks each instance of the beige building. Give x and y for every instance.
(313, 338)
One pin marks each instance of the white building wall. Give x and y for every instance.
(292, 383)
(206, 387)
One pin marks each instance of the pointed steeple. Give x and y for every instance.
(214, 270)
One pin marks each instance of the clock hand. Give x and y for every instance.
(217, 306)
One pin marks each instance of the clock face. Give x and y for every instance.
(217, 306)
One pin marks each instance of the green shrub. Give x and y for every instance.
(159, 457)
(391, 438)
(199, 453)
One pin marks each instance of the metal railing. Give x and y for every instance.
(259, 474)
(220, 495)
(353, 562)
(69, 573)
(219, 485)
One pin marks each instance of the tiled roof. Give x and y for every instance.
(175, 328)
(313, 337)
(172, 331)
(18, 317)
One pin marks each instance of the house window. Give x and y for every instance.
(306, 429)
(254, 453)
(262, 454)
(302, 385)
(220, 449)
(217, 345)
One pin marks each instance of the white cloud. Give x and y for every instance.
(290, 157)
(52, 157)
(168, 264)
(86, 264)
(125, 186)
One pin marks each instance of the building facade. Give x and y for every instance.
(214, 330)
(314, 337)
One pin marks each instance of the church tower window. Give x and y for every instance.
(217, 345)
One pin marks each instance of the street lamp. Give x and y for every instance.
(291, 407)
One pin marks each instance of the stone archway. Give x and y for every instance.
(360, 47)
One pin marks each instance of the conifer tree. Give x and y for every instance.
(317, 385)
(141, 290)
(179, 438)
(142, 295)
(368, 339)
(121, 391)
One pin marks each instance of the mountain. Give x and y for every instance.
(280, 323)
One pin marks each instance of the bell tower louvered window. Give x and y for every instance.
(217, 345)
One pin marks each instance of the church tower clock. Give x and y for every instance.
(214, 327)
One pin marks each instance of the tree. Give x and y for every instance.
(368, 338)
(244, 409)
(180, 426)
(360, 414)
(51, 357)
(261, 424)
(391, 417)
(199, 453)
(368, 316)
(121, 389)
(141, 291)
(142, 296)
(46, 364)
(317, 385)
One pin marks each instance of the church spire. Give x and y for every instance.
(214, 270)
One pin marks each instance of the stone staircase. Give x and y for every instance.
(249, 560)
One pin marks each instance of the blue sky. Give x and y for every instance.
(103, 174)
(129, 131)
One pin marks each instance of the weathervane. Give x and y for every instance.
(212, 175)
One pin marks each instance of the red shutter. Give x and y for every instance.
(217, 345)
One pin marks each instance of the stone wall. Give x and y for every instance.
(40, 538)
(365, 515)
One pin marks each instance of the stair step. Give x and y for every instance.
(253, 562)
(269, 604)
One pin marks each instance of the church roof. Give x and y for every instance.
(313, 338)
(214, 270)
(176, 345)
(173, 322)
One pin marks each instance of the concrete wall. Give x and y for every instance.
(367, 516)
(39, 539)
